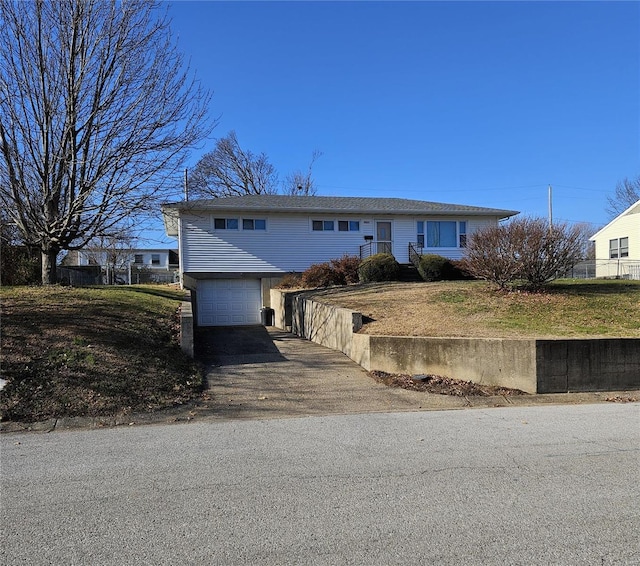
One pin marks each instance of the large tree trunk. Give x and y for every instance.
(49, 267)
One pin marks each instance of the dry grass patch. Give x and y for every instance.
(474, 309)
(92, 352)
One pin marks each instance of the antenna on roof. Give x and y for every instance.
(186, 183)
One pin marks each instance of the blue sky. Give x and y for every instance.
(482, 103)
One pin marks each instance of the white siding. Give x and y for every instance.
(627, 226)
(289, 243)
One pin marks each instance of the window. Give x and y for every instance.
(442, 234)
(254, 224)
(618, 247)
(225, 223)
(349, 226)
(462, 234)
(323, 225)
(138, 258)
(155, 259)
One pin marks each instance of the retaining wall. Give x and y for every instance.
(532, 365)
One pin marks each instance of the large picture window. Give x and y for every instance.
(441, 234)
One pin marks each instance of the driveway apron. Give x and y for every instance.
(258, 372)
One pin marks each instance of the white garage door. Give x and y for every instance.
(226, 302)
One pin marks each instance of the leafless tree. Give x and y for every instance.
(113, 252)
(301, 183)
(627, 192)
(97, 111)
(525, 249)
(229, 170)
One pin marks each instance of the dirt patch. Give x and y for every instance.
(441, 385)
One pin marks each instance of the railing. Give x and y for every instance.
(415, 253)
(372, 248)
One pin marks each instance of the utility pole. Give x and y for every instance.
(550, 209)
(186, 184)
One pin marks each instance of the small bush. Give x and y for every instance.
(379, 267)
(346, 269)
(434, 267)
(319, 275)
(290, 281)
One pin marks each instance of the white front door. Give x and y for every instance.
(228, 302)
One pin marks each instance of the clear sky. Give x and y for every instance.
(480, 103)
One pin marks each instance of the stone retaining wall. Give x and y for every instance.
(532, 365)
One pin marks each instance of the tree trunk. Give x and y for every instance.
(49, 266)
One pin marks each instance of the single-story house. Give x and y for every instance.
(233, 250)
(618, 246)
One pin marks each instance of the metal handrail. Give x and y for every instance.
(415, 253)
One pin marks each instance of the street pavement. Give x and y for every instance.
(514, 485)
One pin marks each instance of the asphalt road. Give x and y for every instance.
(524, 485)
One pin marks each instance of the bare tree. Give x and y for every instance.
(113, 252)
(300, 183)
(627, 192)
(229, 170)
(525, 249)
(96, 113)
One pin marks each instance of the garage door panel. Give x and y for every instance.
(224, 302)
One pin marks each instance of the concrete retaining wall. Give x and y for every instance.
(186, 328)
(532, 365)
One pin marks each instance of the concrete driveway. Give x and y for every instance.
(258, 372)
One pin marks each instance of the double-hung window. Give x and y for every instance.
(138, 258)
(618, 248)
(155, 259)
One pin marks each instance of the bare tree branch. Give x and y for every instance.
(627, 192)
(299, 183)
(229, 170)
(96, 114)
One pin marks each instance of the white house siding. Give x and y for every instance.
(289, 243)
(627, 226)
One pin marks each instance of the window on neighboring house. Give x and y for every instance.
(441, 234)
(225, 223)
(138, 258)
(155, 259)
(618, 248)
(348, 225)
(254, 224)
(323, 225)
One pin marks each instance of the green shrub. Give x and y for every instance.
(379, 267)
(434, 267)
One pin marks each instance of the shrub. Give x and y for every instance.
(434, 267)
(379, 267)
(290, 281)
(319, 275)
(526, 249)
(346, 269)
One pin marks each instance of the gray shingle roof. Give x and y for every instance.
(314, 204)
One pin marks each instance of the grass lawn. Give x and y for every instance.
(92, 352)
(568, 308)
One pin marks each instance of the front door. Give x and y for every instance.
(383, 237)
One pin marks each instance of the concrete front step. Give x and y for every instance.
(409, 273)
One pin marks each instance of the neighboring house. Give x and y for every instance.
(132, 265)
(234, 249)
(618, 246)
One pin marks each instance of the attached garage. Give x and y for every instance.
(228, 302)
